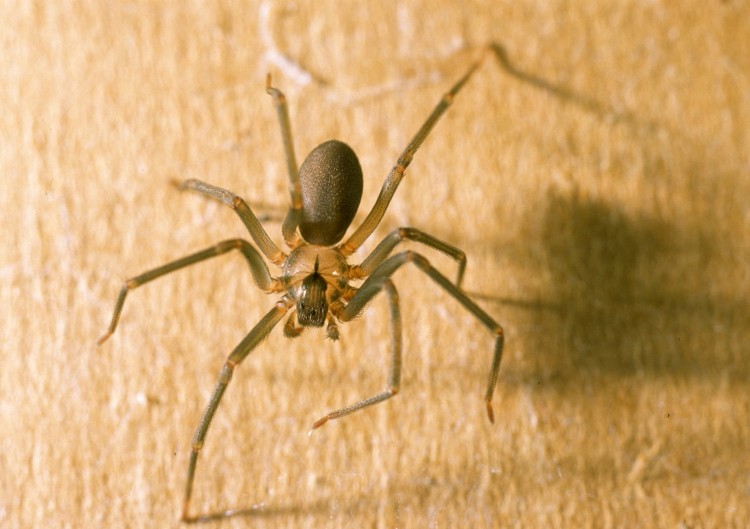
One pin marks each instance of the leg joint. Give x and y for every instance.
(418, 259)
(230, 244)
(225, 375)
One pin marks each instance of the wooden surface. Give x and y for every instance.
(599, 188)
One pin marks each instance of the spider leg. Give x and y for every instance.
(394, 373)
(289, 228)
(251, 222)
(245, 347)
(388, 267)
(258, 268)
(291, 329)
(384, 249)
(397, 172)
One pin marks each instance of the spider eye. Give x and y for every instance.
(312, 305)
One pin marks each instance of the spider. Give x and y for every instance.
(316, 279)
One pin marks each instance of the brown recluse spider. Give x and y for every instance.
(315, 279)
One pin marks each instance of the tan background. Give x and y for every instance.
(601, 196)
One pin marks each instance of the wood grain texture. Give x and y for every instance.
(600, 191)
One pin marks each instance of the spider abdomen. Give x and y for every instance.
(331, 183)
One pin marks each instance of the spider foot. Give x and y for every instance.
(179, 184)
(317, 424)
(186, 518)
(103, 338)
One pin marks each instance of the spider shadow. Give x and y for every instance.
(563, 93)
(628, 294)
(259, 511)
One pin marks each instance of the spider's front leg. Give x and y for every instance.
(349, 312)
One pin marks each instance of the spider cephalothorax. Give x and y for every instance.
(314, 277)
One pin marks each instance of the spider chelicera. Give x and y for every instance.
(316, 278)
